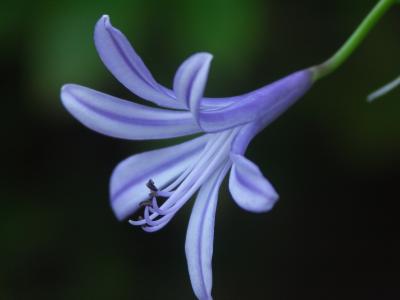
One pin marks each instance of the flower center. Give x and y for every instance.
(214, 156)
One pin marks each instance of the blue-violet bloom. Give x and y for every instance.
(156, 184)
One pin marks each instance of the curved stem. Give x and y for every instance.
(353, 42)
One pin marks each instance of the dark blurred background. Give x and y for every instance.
(334, 159)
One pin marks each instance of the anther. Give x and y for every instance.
(145, 203)
(152, 187)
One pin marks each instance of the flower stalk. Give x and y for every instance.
(334, 62)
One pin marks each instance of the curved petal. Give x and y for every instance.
(190, 80)
(200, 236)
(214, 103)
(244, 136)
(249, 188)
(123, 62)
(128, 181)
(268, 102)
(251, 129)
(124, 119)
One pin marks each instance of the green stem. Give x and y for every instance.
(353, 42)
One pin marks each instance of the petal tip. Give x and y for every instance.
(249, 188)
(65, 93)
(103, 22)
(120, 215)
(64, 88)
(105, 19)
(205, 57)
(274, 197)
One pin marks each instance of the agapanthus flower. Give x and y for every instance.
(149, 188)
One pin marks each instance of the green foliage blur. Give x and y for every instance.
(334, 158)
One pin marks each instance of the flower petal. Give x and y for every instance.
(200, 236)
(269, 101)
(249, 188)
(123, 62)
(190, 80)
(245, 135)
(124, 119)
(128, 181)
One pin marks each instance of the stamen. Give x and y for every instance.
(205, 165)
(176, 194)
(160, 225)
(183, 176)
(149, 221)
(155, 206)
(152, 187)
(139, 222)
(145, 203)
(164, 194)
(149, 216)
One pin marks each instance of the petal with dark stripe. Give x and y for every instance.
(268, 103)
(190, 80)
(124, 119)
(249, 188)
(128, 181)
(125, 64)
(200, 236)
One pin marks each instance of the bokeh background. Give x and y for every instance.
(334, 158)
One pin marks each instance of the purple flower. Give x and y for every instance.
(154, 185)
